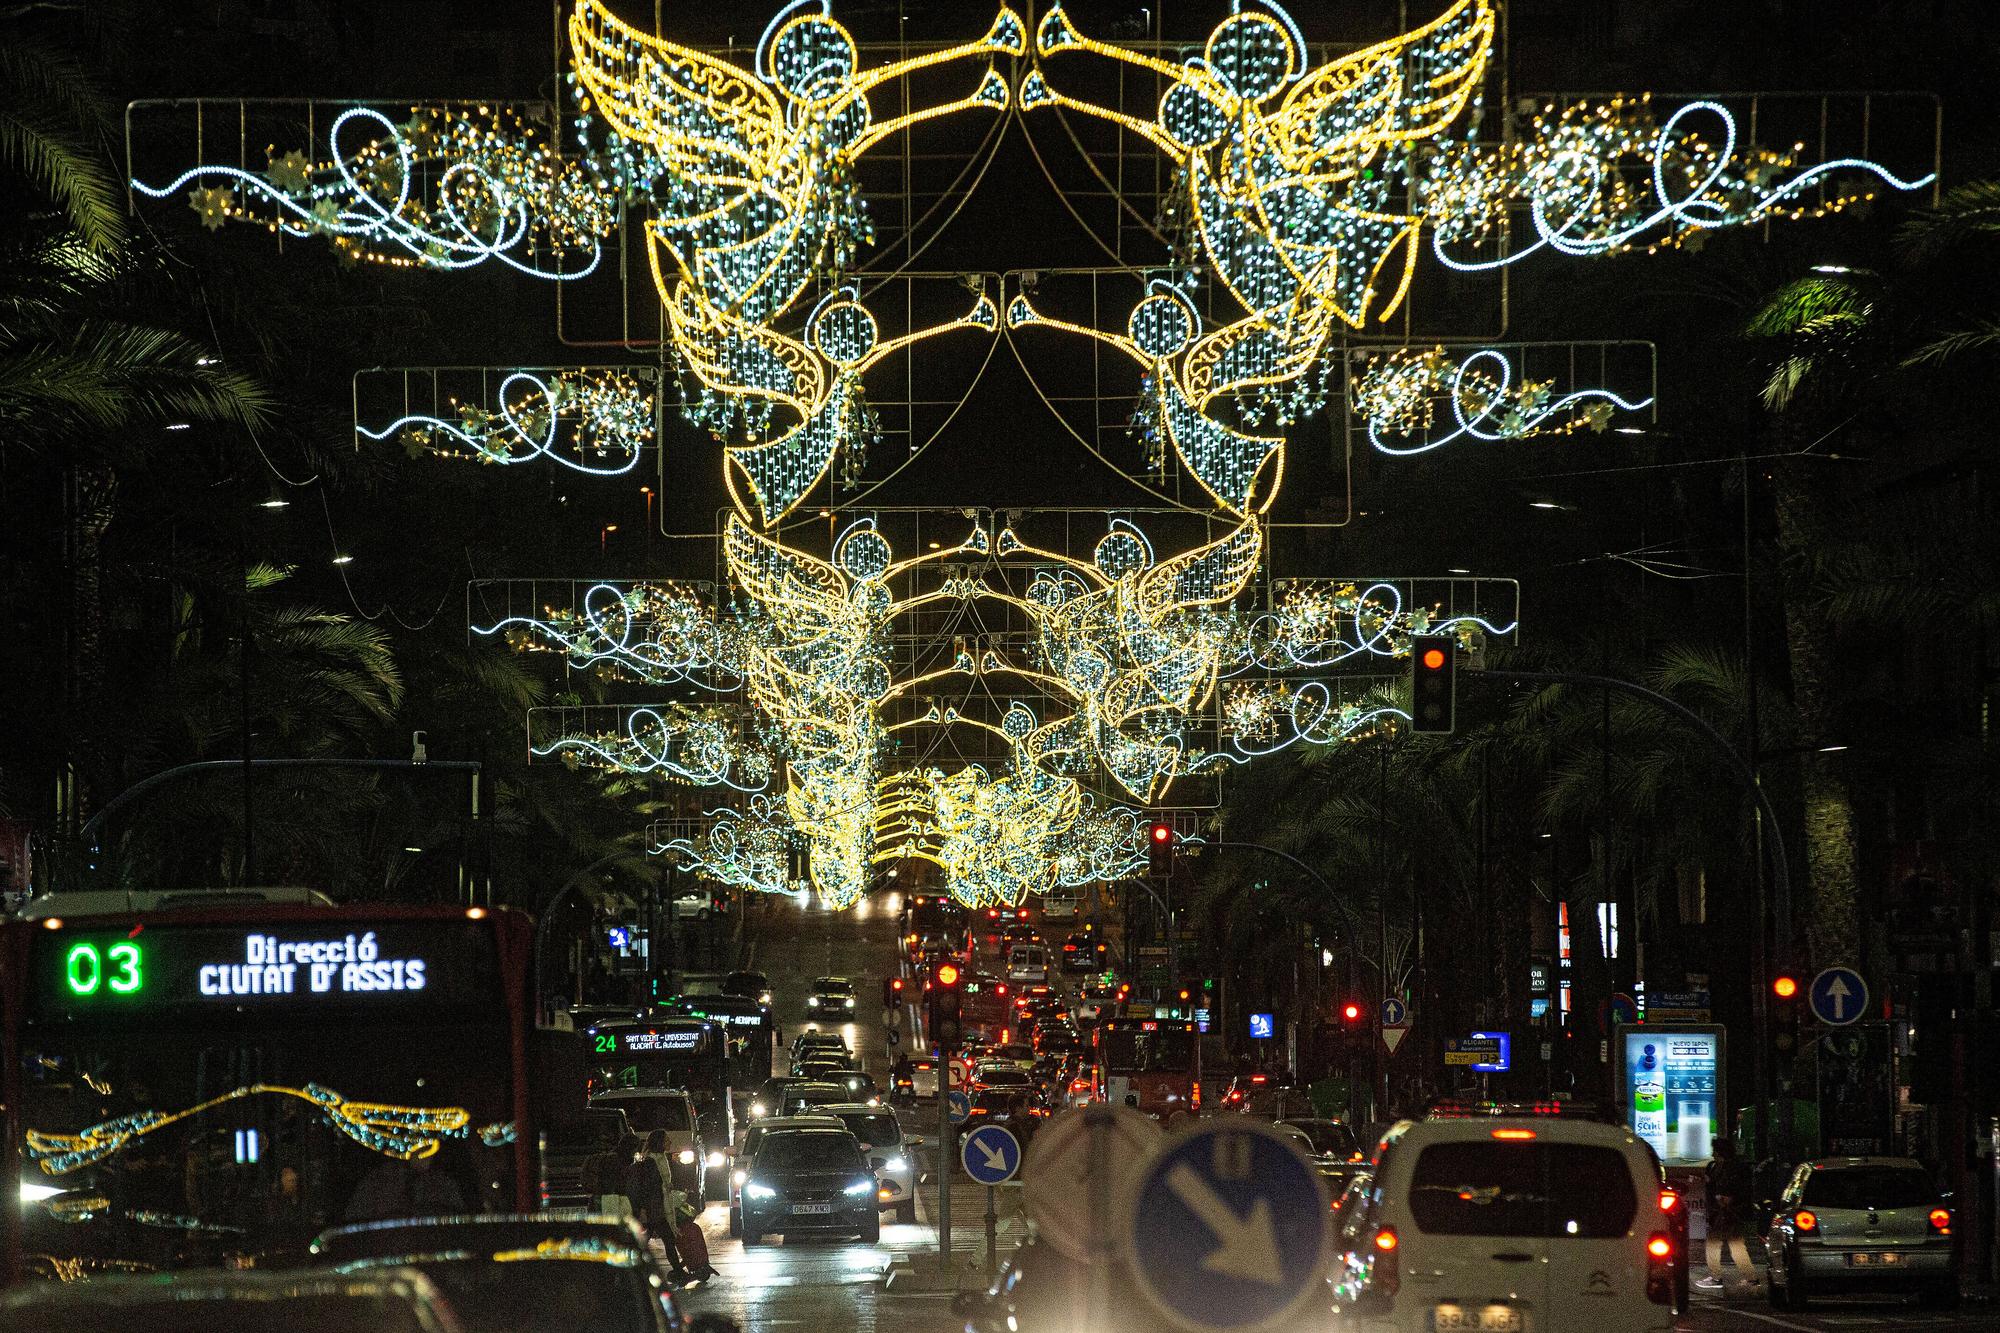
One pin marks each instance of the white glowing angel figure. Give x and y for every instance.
(754, 371)
(1288, 170)
(752, 179)
(1134, 645)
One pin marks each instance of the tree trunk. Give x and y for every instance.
(94, 489)
(1832, 863)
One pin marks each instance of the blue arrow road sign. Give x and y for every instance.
(1839, 996)
(1395, 1013)
(1229, 1228)
(959, 1106)
(991, 1154)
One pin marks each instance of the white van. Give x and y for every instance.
(1027, 962)
(1508, 1225)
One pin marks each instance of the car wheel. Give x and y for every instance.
(872, 1233)
(906, 1211)
(752, 1237)
(1939, 1296)
(736, 1221)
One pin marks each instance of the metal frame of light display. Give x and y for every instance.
(1060, 686)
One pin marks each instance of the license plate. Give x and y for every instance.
(1477, 1319)
(1863, 1259)
(812, 1209)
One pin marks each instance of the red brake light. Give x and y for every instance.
(1941, 1221)
(1257, 1078)
(1805, 1220)
(1660, 1268)
(1385, 1240)
(1514, 1134)
(1659, 1246)
(1669, 1201)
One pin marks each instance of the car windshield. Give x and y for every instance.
(878, 1129)
(811, 1151)
(745, 983)
(1869, 1187)
(646, 1114)
(813, 1094)
(1522, 1189)
(833, 986)
(545, 1297)
(1329, 1137)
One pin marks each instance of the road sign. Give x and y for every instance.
(958, 1074)
(1393, 1037)
(1618, 1009)
(958, 1106)
(1229, 1227)
(1395, 1014)
(1472, 1051)
(991, 1154)
(1839, 996)
(1260, 1025)
(1075, 1175)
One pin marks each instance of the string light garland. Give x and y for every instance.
(697, 747)
(1401, 392)
(656, 633)
(597, 422)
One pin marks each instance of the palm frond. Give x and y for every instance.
(106, 374)
(1956, 344)
(1966, 210)
(53, 130)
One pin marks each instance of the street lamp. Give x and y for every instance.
(603, 536)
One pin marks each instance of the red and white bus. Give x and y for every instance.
(1153, 1064)
(215, 1085)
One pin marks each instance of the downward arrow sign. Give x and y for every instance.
(996, 1156)
(1249, 1245)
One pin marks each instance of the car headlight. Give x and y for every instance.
(759, 1109)
(685, 1157)
(860, 1189)
(896, 1163)
(755, 1191)
(764, 997)
(737, 1178)
(716, 1160)
(848, 1002)
(34, 1193)
(812, 1001)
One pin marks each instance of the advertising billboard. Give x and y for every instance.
(1671, 1087)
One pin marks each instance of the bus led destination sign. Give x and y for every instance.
(274, 966)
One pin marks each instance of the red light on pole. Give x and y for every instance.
(1434, 658)
(947, 975)
(1784, 987)
(1351, 1012)
(1162, 832)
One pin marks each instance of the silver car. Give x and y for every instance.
(1861, 1224)
(891, 1154)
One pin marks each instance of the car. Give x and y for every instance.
(699, 904)
(1057, 1037)
(750, 985)
(572, 1142)
(671, 1110)
(753, 1138)
(1861, 1224)
(1019, 1054)
(1001, 1077)
(1093, 1003)
(1059, 904)
(1079, 953)
(811, 1094)
(891, 1154)
(518, 1271)
(391, 1300)
(1027, 962)
(813, 1039)
(823, 1067)
(1018, 934)
(806, 1180)
(1349, 1195)
(1329, 1138)
(1508, 1224)
(770, 1094)
(831, 996)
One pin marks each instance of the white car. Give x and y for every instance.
(1508, 1225)
(891, 1154)
(1862, 1224)
(670, 1110)
(1028, 962)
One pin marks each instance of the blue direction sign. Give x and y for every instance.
(1395, 1013)
(958, 1106)
(1229, 1227)
(991, 1154)
(1839, 996)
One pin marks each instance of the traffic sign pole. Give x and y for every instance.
(992, 1233)
(946, 1144)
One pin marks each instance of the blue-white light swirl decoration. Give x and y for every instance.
(1314, 628)
(1264, 718)
(657, 633)
(693, 748)
(744, 849)
(495, 193)
(609, 417)
(1396, 396)
(1571, 172)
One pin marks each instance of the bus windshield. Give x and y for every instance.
(196, 1092)
(1163, 1050)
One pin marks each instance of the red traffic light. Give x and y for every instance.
(1351, 1012)
(1784, 987)
(895, 983)
(947, 975)
(1433, 658)
(1162, 832)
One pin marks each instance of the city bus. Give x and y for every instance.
(687, 1053)
(216, 1084)
(987, 1009)
(1151, 1063)
(749, 1034)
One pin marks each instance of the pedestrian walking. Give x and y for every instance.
(1729, 1203)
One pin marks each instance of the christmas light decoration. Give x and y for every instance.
(593, 421)
(402, 1132)
(749, 848)
(448, 187)
(699, 747)
(1603, 177)
(1400, 394)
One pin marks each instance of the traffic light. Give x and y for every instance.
(1350, 1014)
(947, 1006)
(1433, 683)
(1785, 1014)
(1160, 849)
(892, 992)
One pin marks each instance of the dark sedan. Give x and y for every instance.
(805, 1180)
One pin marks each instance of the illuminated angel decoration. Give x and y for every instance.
(751, 372)
(753, 193)
(1134, 644)
(1288, 170)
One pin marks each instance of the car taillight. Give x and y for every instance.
(1660, 1268)
(1805, 1221)
(1669, 1201)
(1941, 1221)
(1384, 1274)
(1194, 1097)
